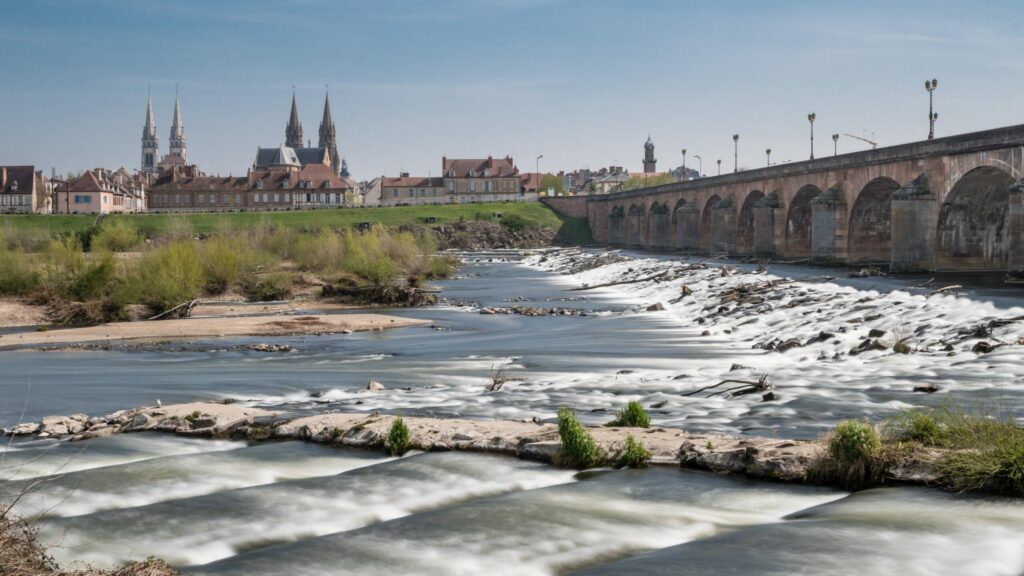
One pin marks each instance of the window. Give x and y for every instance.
(472, 186)
(202, 198)
(238, 199)
(277, 197)
(451, 187)
(287, 197)
(266, 197)
(487, 185)
(83, 199)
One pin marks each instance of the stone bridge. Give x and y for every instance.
(949, 204)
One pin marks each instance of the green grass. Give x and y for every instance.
(633, 455)
(982, 451)
(578, 447)
(160, 224)
(632, 416)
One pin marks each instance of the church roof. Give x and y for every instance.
(280, 156)
(311, 155)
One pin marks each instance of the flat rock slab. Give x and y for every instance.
(193, 328)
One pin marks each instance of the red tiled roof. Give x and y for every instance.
(464, 168)
(412, 182)
(25, 176)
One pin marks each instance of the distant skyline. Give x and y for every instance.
(583, 82)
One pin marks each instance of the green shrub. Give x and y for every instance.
(169, 276)
(853, 458)
(320, 252)
(365, 257)
(18, 276)
(398, 437)
(69, 275)
(632, 416)
(115, 235)
(515, 223)
(268, 287)
(225, 259)
(633, 455)
(578, 447)
(441, 266)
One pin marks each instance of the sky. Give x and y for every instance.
(581, 82)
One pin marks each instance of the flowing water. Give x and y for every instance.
(225, 507)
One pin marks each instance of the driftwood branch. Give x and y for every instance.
(188, 306)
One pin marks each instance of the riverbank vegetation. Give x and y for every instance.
(963, 450)
(113, 273)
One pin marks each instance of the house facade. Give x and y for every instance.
(24, 190)
(462, 181)
(102, 191)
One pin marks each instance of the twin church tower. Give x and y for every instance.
(153, 164)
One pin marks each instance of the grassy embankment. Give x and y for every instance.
(571, 230)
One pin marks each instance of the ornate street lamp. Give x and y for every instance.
(684, 164)
(810, 118)
(835, 144)
(768, 153)
(719, 166)
(700, 165)
(735, 153)
(930, 86)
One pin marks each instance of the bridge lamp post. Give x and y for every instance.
(835, 144)
(735, 153)
(719, 166)
(700, 165)
(930, 86)
(768, 153)
(684, 164)
(810, 118)
(536, 166)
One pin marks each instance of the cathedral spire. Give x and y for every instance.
(293, 133)
(329, 136)
(177, 131)
(150, 129)
(150, 144)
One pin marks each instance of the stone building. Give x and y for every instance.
(283, 183)
(24, 190)
(463, 180)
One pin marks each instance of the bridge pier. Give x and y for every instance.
(914, 221)
(688, 228)
(766, 213)
(828, 227)
(1015, 231)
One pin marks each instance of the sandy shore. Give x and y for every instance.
(212, 327)
(15, 314)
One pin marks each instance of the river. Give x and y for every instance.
(226, 507)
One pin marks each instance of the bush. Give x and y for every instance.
(169, 276)
(115, 235)
(515, 223)
(632, 416)
(633, 455)
(578, 447)
(18, 277)
(268, 287)
(321, 252)
(69, 275)
(917, 426)
(398, 437)
(365, 257)
(225, 260)
(441, 266)
(853, 458)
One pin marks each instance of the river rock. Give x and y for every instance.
(876, 333)
(24, 429)
(788, 345)
(927, 388)
(139, 422)
(62, 425)
(656, 307)
(374, 386)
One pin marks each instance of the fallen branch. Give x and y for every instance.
(188, 306)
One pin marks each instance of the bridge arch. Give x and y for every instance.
(617, 225)
(686, 226)
(705, 222)
(658, 232)
(871, 222)
(634, 225)
(745, 224)
(972, 232)
(798, 222)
